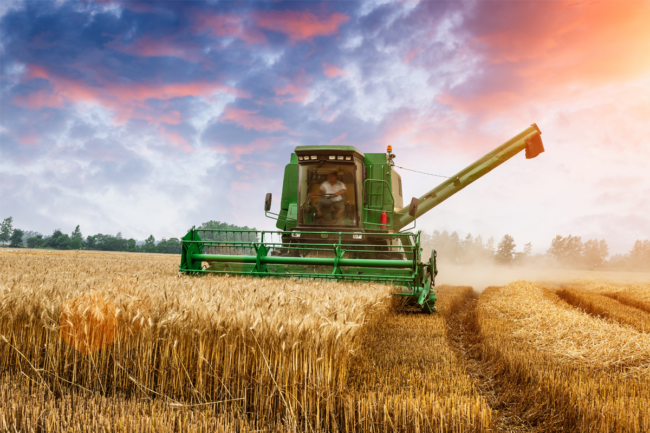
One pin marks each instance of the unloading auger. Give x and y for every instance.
(342, 217)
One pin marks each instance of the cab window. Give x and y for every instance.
(327, 194)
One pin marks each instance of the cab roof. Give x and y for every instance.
(325, 149)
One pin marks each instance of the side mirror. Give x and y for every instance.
(267, 202)
(413, 208)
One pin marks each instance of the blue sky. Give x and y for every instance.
(150, 117)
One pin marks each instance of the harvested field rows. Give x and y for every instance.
(581, 372)
(410, 377)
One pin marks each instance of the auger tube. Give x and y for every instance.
(529, 139)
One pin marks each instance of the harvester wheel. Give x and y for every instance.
(428, 309)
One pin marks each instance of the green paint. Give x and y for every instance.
(341, 259)
(331, 252)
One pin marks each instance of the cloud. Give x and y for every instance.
(332, 71)
(9, 5)
(539, 51)
(175, 138)
(257, 147)
(228, 25)
(135, 6)
(250, 120)
(166, 46)
(297, 25)
(28, 138)
(106, 108)
(338, 140)
(107, 175)
(295, 90)
(126, 101)
(412, 53)
(300, 25)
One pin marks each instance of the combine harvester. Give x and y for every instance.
(342, 217)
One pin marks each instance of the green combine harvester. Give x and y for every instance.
(342, 217)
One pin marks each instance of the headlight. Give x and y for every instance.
(340, 158)
(314, 157)
(348, 158)
(357, 236)
(300, 158)
(295, 235)
(332, 157)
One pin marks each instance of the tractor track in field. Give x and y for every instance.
(491, 377)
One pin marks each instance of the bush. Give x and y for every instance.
(35, 241)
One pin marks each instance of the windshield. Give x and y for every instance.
(327, 194)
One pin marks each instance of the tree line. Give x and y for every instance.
(58, 240)
(565, 251)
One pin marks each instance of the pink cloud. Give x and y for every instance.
(298, 25)
(175, 139)
(295, 90)
(551, 50)
(250, 120)
(400, 129)
(241, 186)
(258, 146)
(29, 139)
(411, 130)
(332, 117)
(267, 165)
(168, 46)
(250, 167)
(482, 102)
(338, 139)
(412, 53)
(333, 71)
(126, 101)
(229, 25)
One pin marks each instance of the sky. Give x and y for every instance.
(150, 117)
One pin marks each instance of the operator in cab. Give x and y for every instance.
(332, 205)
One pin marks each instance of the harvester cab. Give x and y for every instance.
(336, 192)
(342, 217)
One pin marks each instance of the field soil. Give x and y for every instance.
(119, 342)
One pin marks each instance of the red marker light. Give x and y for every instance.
(384, 219)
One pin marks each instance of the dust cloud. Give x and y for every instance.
(481, 276)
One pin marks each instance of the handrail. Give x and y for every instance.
(338, 243)
(380, 208)
(326, 261)
(288, 232)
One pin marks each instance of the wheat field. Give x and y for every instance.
(122, 343)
